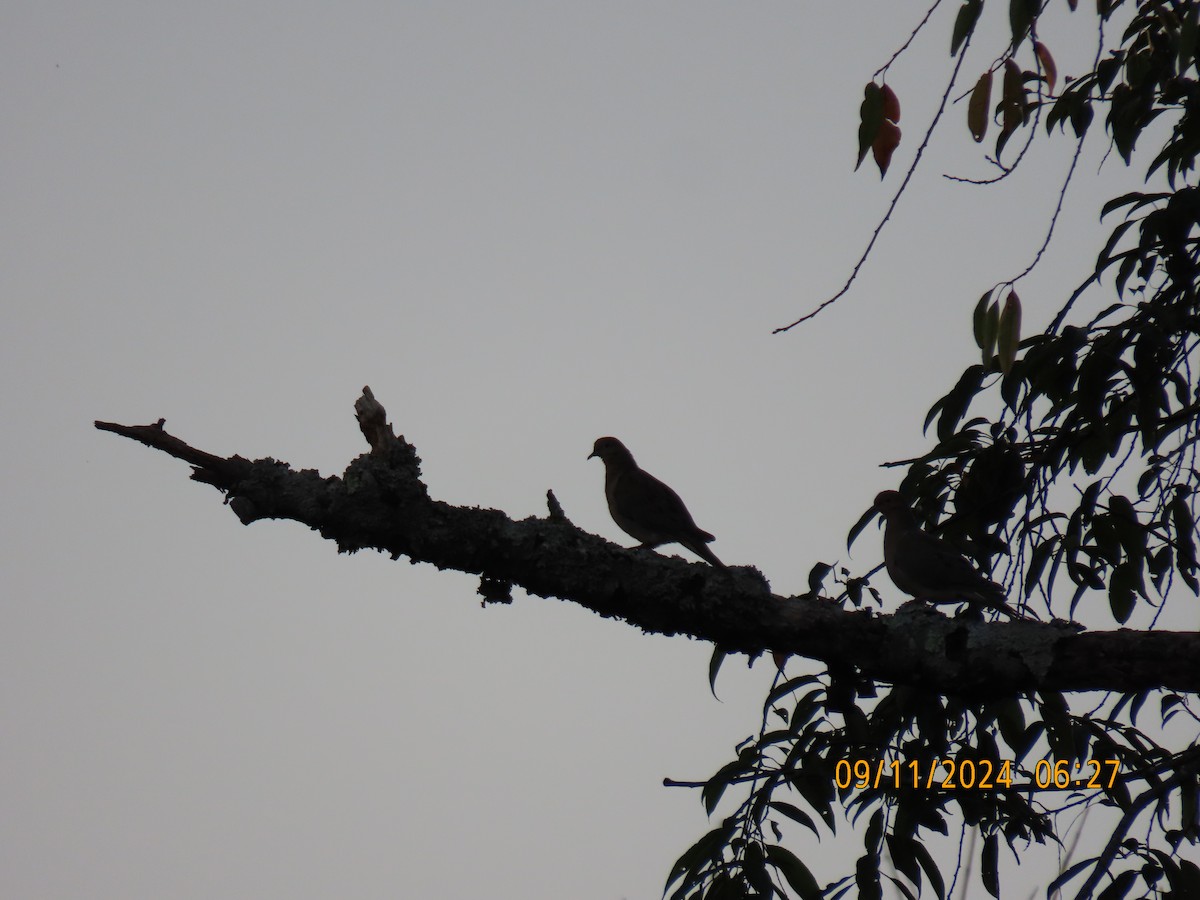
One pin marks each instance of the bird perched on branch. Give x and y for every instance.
(927, 567)
(644, 507)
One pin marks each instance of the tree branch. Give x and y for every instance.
(381, 503)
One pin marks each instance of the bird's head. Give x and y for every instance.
(891, 503)
(609, 449)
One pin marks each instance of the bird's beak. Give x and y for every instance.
(590, 455)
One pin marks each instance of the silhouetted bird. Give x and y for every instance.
(644, 507)
(927, 567)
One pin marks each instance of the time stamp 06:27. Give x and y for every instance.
(973, 774)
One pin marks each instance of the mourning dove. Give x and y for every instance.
(644, 507)
(928, 567)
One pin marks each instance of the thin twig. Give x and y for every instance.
(1108, 856)
(895, 56)
(895, 199)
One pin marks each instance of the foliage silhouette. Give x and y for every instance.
(1065, 464)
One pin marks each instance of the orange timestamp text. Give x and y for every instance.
(973, 774)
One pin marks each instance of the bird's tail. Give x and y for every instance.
(993, 597)
(700, 548)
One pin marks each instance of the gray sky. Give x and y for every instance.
(525, 226)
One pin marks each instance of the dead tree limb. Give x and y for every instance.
(380, 503)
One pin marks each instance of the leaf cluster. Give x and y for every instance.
(799, 773)
(1065, 463)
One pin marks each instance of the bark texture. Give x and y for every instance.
(381, 503)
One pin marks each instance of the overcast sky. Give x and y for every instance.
(524, 225)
